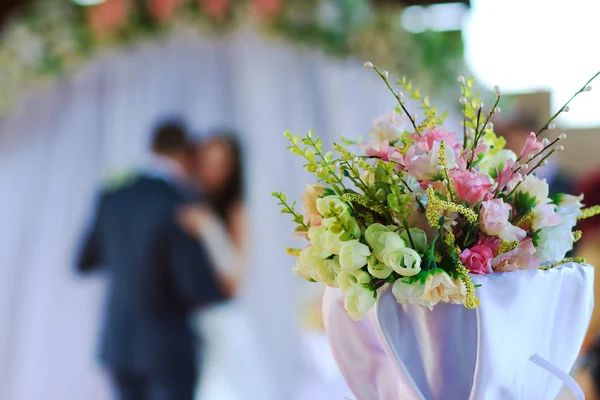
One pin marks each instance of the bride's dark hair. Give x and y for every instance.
(232, 190)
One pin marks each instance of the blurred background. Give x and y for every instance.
(84, 84)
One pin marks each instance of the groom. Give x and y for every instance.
(158, 275)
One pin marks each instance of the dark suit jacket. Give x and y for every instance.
(158, 274)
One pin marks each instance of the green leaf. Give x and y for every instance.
(557, 198)
(347, 142)
(524, 202)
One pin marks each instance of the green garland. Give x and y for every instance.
(51, 38)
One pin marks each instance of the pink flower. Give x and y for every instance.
(162, 10)
(507, 174)
(544, 215)
(216, 8)
(493, 221)
(433, 135)
(470, 186)
(425, 167)
(267, 8)
(531, 146)
(519, 258)
(478, 259)
(108, 15)
(386, 152)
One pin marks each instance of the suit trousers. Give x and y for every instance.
(130, 386)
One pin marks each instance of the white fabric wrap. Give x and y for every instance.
(518, 345)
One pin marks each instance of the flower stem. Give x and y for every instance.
(545, 127)
(414, 124)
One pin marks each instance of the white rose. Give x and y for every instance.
(459, 296)
(327, 271)
(348, 279)
(327, 204)
(316, 236)
(309, 203)
(308, 261)
(404, 261)
(372, 234)
(386, 242)
(409, 293)
(439, 287)
(492, 164)
(332, 242)
(535, 187)
(354, 255)
(359, 299)
(552, 243)
(377, 268)
(387, 127)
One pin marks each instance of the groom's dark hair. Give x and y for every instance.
(170, 137)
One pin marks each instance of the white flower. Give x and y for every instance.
(308, 261)
(535, 187)
(349, 279)
(316, 235)
(408, 293)
(327, 271)
(332, 242)
(354, 255)
(309, 203)
(569, 209)
(544, 215)
(359, 299)
(493, 163)
(372, 234)
(404, 261)
(439, 287)
(552, 243)
(425, 166)
(569, 199)
(387, 127)
(326, 205)
(377, 268)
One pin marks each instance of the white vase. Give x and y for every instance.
(409, 352)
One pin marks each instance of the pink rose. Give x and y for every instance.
(519, 258)
(267, 8)
(493, 221)
(470, 186)
(162, 10)
(532, 146)
(108, 15)
(478, 259)
(216, 8)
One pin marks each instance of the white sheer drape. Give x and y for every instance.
(57, 146)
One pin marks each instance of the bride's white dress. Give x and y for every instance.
(231, 368)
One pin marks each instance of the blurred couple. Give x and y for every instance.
(171, 237)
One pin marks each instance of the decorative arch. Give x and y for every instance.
(46, 39)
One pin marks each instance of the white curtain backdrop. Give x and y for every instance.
(57, 147)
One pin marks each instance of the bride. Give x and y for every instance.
(230, 368)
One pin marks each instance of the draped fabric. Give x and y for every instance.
(59, 145)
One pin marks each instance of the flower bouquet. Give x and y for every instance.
(435, 219)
